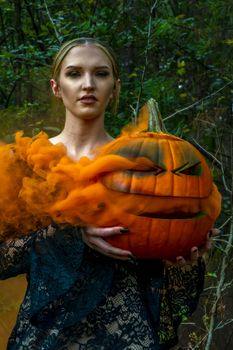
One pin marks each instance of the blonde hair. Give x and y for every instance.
(67, 46)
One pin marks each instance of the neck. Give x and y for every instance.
(81, 137)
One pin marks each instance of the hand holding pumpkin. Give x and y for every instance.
(196, 252)
(94, 237)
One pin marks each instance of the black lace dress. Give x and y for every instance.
(77, 299)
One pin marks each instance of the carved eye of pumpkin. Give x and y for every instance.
(189, 169)
(155, 170)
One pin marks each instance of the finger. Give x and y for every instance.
(113, 256)
(209, 241)
(168, 263)
(180, 261)
(207, 246)
(107, 249)
(213, 233)
(194, 254)
(109, 254)
(106, 231)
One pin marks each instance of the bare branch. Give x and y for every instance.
(219, 289)
(223, 324)
(209, 155)
(199, 101)
(212, 157)
(146, 58)
(52, 22)
(225, 223)
(221, 240)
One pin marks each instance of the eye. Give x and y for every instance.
(102, 73)
(73, 74)
(187, 169)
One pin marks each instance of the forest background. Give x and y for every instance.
(178, 52)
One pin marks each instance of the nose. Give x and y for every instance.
(88, 82)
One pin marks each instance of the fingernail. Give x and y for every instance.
(124, 230)
(131, 259)
(179, 258)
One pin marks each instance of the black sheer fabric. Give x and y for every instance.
(78, 299)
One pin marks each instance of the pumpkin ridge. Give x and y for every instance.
(172, 167)
(181, 151)
(139, 151)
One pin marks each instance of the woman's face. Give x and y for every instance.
(86, 83)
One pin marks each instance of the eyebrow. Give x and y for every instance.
(78, 67)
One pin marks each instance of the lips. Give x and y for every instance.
(88, 99)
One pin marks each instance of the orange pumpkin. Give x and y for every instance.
(167, 199)
(171, 205)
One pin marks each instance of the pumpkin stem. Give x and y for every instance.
(155, 121)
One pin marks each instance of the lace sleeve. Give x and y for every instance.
(179, 298)
(14, 254)
(13, 257)
(184, 286)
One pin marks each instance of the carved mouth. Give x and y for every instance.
(174, 215)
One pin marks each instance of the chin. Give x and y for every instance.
(89, 114)
(87, 117)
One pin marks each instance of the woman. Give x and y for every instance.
(94, 295)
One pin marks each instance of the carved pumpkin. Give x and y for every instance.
(171, 205)
(166, 198)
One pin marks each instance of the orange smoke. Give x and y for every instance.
(27, 161)
(41, 184)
